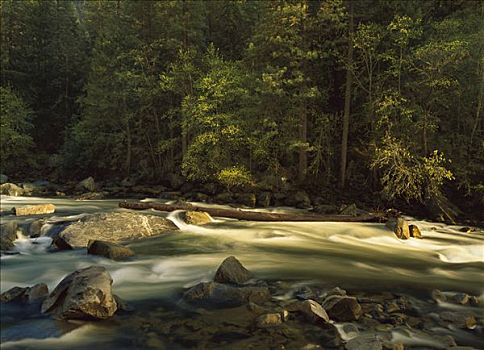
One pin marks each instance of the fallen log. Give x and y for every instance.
(34, 210)
(253, 215)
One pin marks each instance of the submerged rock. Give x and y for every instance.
(84, 294)
(34, 210)
(342, 308)
(109, 250)
(196, 217)
(25, 295)
(113, 227)
(224, 295)
(8, 234)
(459, 319)
(232, 271)
(365, 342)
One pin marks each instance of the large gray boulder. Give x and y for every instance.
(84, 294)
(113, 227)
(232, 271)
(109, 250)
(10, 189)
(225, 295)
(8, 234)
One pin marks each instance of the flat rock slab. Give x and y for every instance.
(34, 210)
(114, 227)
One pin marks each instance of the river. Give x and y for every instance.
(354, 256)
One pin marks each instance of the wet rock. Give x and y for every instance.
(35, 228)
(114, 227)
(11, 189)
(8, 234)
(301, 200)
(365, 342)
(461, 348)
(34, 210)
(224, 295)
(25, 295)
(313, 311)
(414, 231)
(232, 271)
(269, 320)
(87, 184)
(459, 319)
(392, 307)
(336, 291)
(304, 293)
(61, 244)
(122, 304)
(399, 226)
(342, 308)
(196, 218)
(84, 294)
(109, 250)
(325, 209)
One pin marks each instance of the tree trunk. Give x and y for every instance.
(346, 115)
(252, 215)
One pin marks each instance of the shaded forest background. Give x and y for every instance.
(374, 98)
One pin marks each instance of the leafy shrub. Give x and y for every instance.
(235, 177)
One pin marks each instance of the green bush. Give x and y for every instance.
(235, 177)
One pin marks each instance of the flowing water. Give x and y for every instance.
(354, 256)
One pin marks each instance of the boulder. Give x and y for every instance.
(38, 209)
(85, 294)
(414, 231)
(8, 234)
(313, 311)
(109, 250)
(342, 308)
(35, 228)
(325, 209)
(196, 218)
(268, 320)
(3, 179)
(399, 226)
(25, 295)
(10, 189)
(225, 295)
(87, 184)
(232, 271)
(35, 188)
(352, 210)
(114, 227)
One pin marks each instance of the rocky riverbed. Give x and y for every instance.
(229, 284)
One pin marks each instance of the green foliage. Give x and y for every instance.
(406, 176)
(236, 177)
(15, 127)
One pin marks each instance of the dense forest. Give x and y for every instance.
(377, 99)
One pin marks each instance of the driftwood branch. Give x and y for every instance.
(253, 215)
